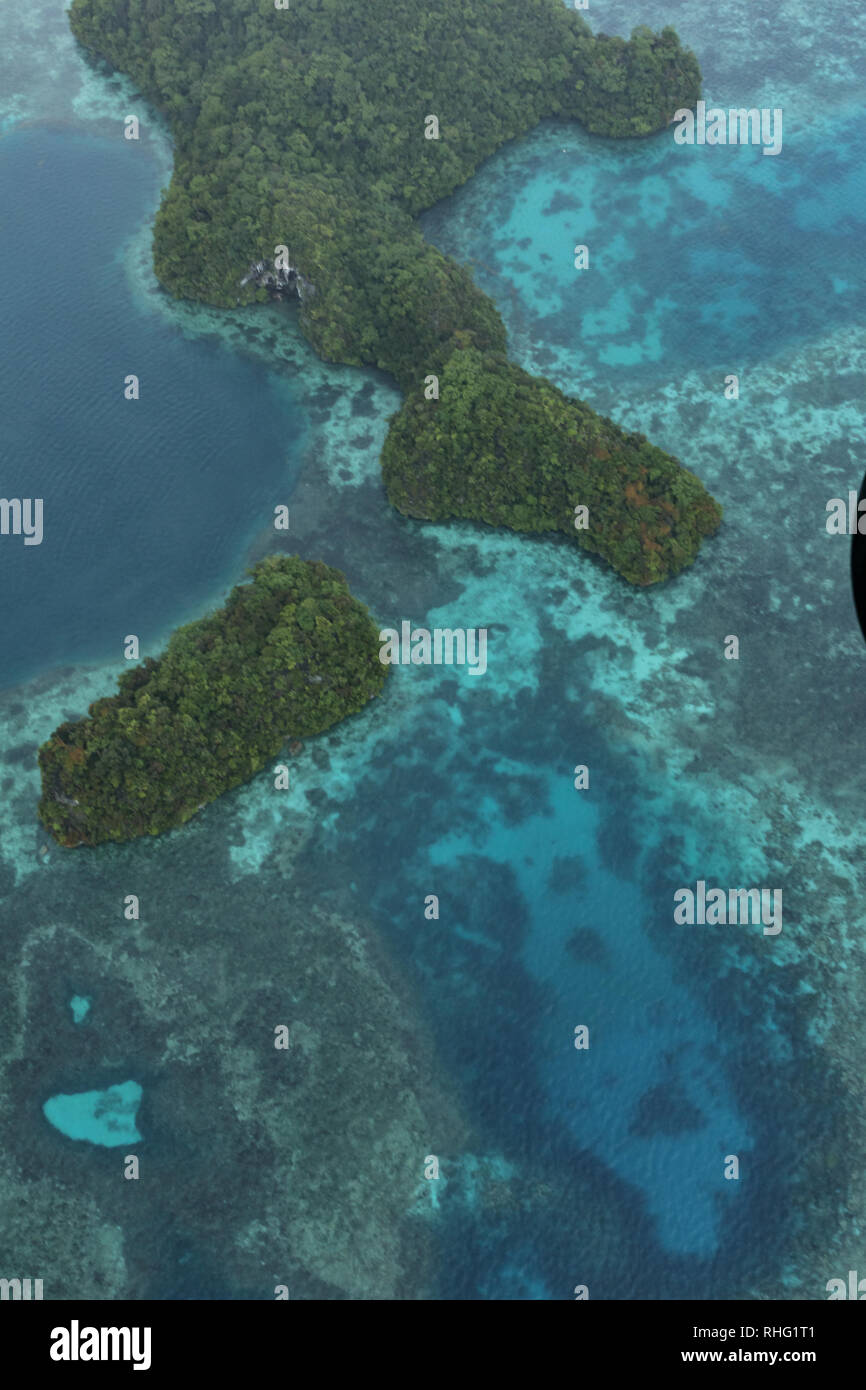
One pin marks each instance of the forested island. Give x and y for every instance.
(290, 654)
(306, 127)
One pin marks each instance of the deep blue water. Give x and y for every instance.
(555, 905)
(148, 504)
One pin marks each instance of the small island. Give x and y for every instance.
(510, 449)
(290, 654)
(307, 140)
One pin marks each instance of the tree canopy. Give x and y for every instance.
(290, 654)
(512, 450)
(305, 127)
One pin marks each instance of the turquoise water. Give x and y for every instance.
(99, 1117)
(699, 256)
(80, 1008)
(558, 1166)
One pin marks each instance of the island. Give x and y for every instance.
(309, 136)
(290, 654)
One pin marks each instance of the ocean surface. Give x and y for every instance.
(559, 1166)
(148, 503)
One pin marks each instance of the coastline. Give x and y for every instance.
(639, 670)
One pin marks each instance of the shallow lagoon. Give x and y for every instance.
(99, 1117)
(556, 906)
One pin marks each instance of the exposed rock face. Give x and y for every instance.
(283, 283)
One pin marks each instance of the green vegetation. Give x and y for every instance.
(304, 128)
(512, 450)
(290, 654)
